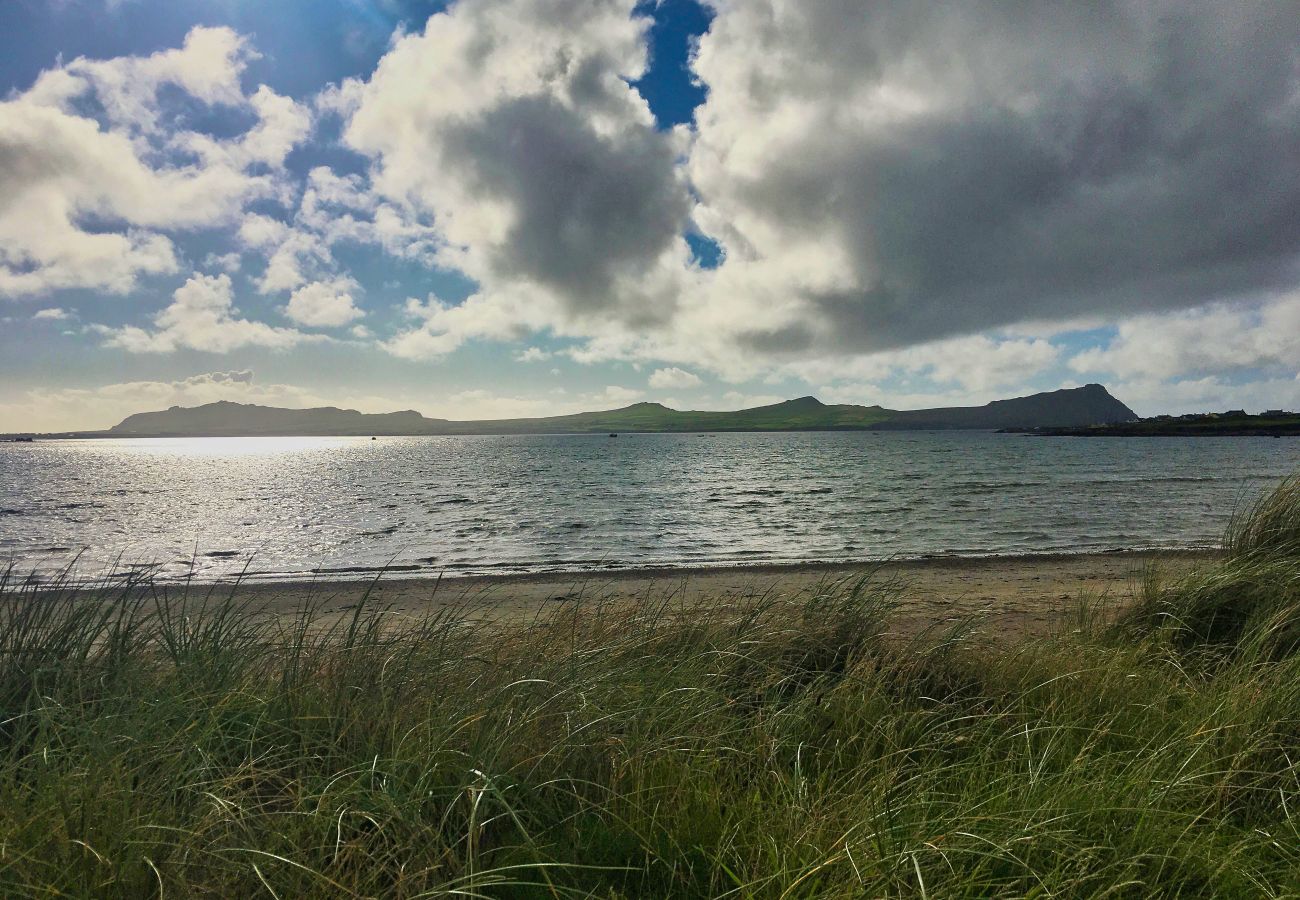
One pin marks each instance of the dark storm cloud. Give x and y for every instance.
(588, 208)
(514, 126)
(1067, 159)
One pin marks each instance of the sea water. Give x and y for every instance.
(283, 507)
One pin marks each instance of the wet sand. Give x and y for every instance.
(1011, 596)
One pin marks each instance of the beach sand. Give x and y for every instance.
(1006, 596)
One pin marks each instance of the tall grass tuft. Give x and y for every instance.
(1249, 606)
(1270, 527)
(163, 743)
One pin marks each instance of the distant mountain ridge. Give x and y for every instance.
(225, 417)
(1067, 408)
(1091, 403)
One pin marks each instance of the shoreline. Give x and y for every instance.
(469, 574)
(671, 571)
(1015, 596)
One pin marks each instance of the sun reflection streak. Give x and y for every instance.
(230, 446)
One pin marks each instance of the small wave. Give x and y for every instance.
(1145, 479)
(991, 487)
(343, 570)
(380, 532)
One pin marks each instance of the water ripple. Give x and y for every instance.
(477, 504)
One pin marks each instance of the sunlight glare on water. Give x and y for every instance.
(225, 447)
(346, 505)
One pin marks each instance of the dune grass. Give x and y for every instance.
(161, 745)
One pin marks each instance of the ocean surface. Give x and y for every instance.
(283, 507)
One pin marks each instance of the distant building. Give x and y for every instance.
(1235, 412)
(1275, 412)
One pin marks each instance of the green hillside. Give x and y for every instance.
(805, 413)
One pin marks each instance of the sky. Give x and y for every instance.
(495, 208)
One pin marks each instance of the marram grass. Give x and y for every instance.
(153, 744)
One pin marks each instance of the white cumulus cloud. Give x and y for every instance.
(1214, 339)
(201, 316)
(134, 172)
(324, 304)
(673, 378)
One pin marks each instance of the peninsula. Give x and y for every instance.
(1068, 408)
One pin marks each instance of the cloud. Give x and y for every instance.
(673, 378)
(908, 173)
(741, 400)
(1216, 339)
(533, 354)
(511, 125)
(282, 124)
(201, 316)
(926, 395)
(978, 364)
(926, 200)
(52, 313)
(324, 304)
(333, 209)
(1210, 393)
(346, 209)
(617, 394)
(293, 255)
(440, 328)
(207, 67)
(241, 376)
(484, 404)
(1216, 357)
(226, 262)
(95, 164)
(876, 178)
(258, 231)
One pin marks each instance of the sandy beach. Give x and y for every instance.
(1021, 595)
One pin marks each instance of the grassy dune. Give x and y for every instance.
(155, 745)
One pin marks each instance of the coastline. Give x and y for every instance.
(1016, 595)
(475, 573)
